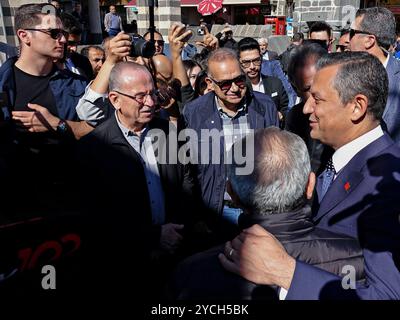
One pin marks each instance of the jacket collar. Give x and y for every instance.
(284, 225)
(350, 176)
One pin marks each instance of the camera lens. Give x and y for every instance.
(141, 47)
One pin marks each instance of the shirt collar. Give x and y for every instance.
(242, 108)
(386, 61)
(344, 154)
(125, 131)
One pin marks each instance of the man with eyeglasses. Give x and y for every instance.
(73, 61)
(250, 59)
(344, 41)
(147, 203)
(233, 111)
(374, 31)
(39, 115)
(158, 41)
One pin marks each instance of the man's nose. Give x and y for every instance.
(309, 106)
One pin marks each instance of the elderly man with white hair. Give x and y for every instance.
(266, 54)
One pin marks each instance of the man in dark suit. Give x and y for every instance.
(265, 53)
(357, 194)
(374, 31)
(137, 192)
(250, 60)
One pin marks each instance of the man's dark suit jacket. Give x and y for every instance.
(274, 88)
(362, 202)
(272, 55)
(115, 196)
(391, 115)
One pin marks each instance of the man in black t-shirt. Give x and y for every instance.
(40, 121)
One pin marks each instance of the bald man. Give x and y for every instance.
(163, 67)
(144, 203)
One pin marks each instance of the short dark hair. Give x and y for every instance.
(155, 31)
(85, 50)
(29, 15)
(321, 26)
(190, 64)
(359, 73)
(380, 22)
(297, 37)
(301, 54)
(248, 43)
(344, 32)
(71, 25)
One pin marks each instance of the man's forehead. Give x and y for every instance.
(249, 53)
(50, 21)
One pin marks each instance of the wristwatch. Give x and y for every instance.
(62, 127)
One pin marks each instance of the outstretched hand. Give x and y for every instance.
(209, 40)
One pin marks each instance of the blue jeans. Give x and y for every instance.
(231, 214)
(113, 32)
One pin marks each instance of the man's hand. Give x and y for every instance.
(39, 120)
(170, 237)
(176, 37)
(209, 41)
(259, 257)
(120, 47)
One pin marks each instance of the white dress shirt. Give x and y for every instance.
(344, 154)
(259, 87)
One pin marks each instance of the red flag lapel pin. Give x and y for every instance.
(347, 186)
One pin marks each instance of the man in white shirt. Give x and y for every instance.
(356, 194)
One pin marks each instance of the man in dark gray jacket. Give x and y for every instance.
(274, 196)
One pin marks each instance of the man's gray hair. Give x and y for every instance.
(119, 77)
(281, 170)
(380, 22)
(359, 73)
(262, 41)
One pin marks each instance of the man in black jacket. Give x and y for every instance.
(273, 196)
(250, 59)
(139, 196)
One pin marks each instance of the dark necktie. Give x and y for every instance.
(327, 177)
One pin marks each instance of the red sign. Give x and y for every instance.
(208, 7)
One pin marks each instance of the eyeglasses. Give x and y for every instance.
(73, 43)
(141, 97)
(354, 32)
(55, 34)
(159, 42)
(247, 63)
(225, 85)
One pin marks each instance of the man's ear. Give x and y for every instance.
(359, 108)
(24, 36)
(310, 185)
(114, 99)
(369, 41)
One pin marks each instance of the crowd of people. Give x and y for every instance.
(142, 147)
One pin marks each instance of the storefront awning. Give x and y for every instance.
(131, 3)
(194, 3)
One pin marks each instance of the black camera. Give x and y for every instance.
(141, 47)
(201, 31)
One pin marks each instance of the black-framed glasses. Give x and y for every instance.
(247, 63)
(141, 97)
(159, 42)
(55, 34)
(353, 32)
(225, 85)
